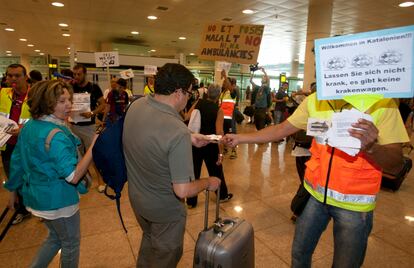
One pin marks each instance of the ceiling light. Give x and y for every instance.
(152, 17)
(8, 51)
(248, 11)
(65, 34)
(30, 45)
(135, 32)
(406, 4)
(116, 49)
(37, 50)
(153, 50)
(9, 55)
(9, 29)
(192, 54)
(63, 25)
(41, 54)
(182, 38)
(58, 4)
(68, 47)
(23, 39)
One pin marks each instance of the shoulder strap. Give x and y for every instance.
(50, 137)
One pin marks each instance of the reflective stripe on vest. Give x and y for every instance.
(354, 202)
(353, 181)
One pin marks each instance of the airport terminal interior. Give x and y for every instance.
(46, 36)
(263, 180)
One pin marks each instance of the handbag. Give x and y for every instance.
(249, 111)
(238, 116)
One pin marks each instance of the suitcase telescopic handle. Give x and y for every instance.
(206, 208)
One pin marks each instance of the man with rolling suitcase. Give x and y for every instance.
(158, 158)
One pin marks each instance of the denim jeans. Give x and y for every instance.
(351, 230)
(64, 233)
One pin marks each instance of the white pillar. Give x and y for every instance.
(319, 26)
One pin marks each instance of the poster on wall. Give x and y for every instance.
(237, 43)
(106, 59)
(377, 62)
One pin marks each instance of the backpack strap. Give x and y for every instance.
(50, 137)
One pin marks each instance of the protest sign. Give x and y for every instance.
(106, 59)
(371, 63)
(239, 43)
(150, 70)
(127, 74)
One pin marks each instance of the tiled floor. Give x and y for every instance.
(263, 180)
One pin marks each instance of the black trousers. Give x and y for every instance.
(6, 157)
(208, 154)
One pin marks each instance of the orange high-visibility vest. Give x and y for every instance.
(353, 181)
(227, 104)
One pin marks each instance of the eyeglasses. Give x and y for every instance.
(187, 92)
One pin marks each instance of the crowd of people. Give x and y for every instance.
(164, 158)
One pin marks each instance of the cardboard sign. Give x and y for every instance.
(150, 70)
(106, 59)
(371, 63)
(239, 43)
(127, 74)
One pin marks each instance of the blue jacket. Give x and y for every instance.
(39, 175)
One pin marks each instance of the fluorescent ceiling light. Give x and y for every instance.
(68, 47)
(192, 54)
(37, 50)
(41, 54)
(23, 39)
(182, 38)
(58, 4)
(8, 51)
(65, 34)
(135, 32)
(152, 17)
(406, 4)
(248, 11)
(30, 45)
(153, 50)
(63, 25)
(9, 29)
(9, 55)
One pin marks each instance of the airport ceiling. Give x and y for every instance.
(93, 22)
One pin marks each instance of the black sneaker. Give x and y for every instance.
(227, 198)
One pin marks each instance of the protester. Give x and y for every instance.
(342, 187)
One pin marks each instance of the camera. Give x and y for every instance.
(254, 67)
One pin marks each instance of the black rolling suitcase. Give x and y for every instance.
(8, 224)
(394, 181)
(228, 243)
